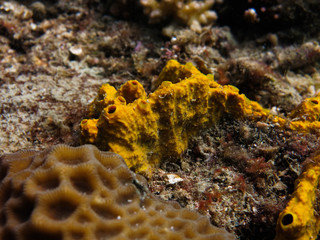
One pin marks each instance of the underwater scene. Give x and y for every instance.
(159, 119)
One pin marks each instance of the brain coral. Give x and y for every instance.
(82, 193)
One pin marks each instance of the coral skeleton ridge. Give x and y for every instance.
(299, 221)
(67, 193)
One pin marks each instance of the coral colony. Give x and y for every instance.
(222, 119)
(82, 193)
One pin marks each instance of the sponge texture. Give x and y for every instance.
(148, 130)
(83, 193)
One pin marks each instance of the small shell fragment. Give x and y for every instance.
(174, 178)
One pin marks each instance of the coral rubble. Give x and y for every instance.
(240, 173)
(82, 193)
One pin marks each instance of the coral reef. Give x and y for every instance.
(146, 130)
(82, 193)
(56, 54)
(299, 220)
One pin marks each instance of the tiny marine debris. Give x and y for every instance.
(68, 193)
(299, 221)
(147, 129)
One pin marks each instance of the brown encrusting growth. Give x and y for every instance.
(82, 193)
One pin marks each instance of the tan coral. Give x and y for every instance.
(67, 193)
(192, 13)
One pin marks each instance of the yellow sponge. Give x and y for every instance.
(299, 221)
(145, 130)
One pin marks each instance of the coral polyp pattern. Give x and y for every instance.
(83, 193)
